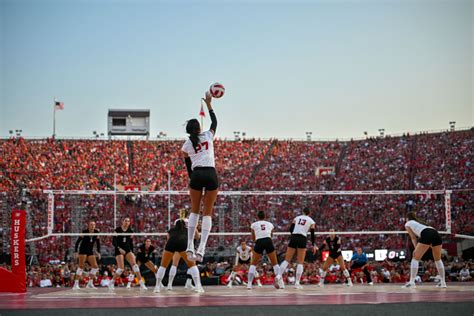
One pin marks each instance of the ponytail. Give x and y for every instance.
(193, 128)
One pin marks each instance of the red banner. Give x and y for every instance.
(18, 242)
(15, 281)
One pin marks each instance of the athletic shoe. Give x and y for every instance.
(259, 284)
(157, 289)
(128, 287)
(441, 285)
(169, 287)
(409, 285)
(229, 285)
(349, 283)
(199, 289)
(90, 286)
(298, 286)
(189, 285)
(190, 254)
(199, 256)
(76, 286)
(281, 283)
(371, 283)
(112, 284)
(321, 284)
(249, 287)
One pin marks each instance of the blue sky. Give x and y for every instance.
(335, 68)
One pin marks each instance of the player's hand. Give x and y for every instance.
(122, 251)
(208, 98)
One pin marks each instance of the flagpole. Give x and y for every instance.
(54, 118)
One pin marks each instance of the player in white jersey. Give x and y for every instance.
(199, 157)
(262, 232)
(177, 257)
(423, 238)
(299, 230)
(242, 256)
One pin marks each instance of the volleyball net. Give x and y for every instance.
(363, 217)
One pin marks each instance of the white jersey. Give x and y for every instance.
(416, 227)
(244, 255)
(262, 229)
(302, 225)
(204, 157)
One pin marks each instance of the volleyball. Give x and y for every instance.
(217, 90)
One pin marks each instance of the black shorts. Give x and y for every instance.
(430, 236)
(204, 177)
(335, 255)
(244, 262)
(176, 245)
(357, 265)
(117, 252)
(87, 252)
(264, 244)
(142, 258)
(297, 241)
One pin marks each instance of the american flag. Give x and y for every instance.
(58, 105)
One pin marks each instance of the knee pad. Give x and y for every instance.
(136, 268)
(79, 271)
(118, 271)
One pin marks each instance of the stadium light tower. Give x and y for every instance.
(452, 126)
(308, 136)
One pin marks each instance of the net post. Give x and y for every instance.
(115, 201)
(169, 199)
(447, 204)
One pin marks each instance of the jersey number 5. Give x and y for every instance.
(262, 227)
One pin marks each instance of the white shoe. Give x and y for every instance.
(229, 285)
(441, 285)
(112, 284)
(128, 287)
(199, 256)
(189, 285)
(249, 287)
(321, 284)
(190, 255)
(199, 289)
(259, 284)
(349, 284)
(298, 286)
(281, 283)
(157, 289)
(169, 287)
(371, 283)
(143, 287)
(409, 285)
(76, 286)
(91, 286)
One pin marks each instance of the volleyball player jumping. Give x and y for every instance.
(199, 157)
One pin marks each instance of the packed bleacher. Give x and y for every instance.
(427, 161)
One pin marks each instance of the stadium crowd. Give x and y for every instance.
(428, 161)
